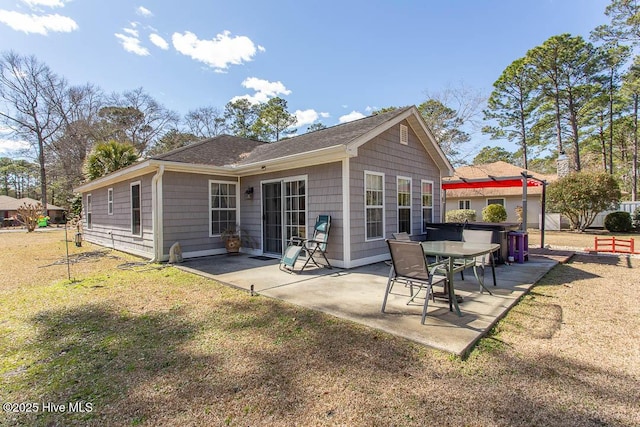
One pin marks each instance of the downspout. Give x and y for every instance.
(157, 216)
(238, 209)
(346, 213)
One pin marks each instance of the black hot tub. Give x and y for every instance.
(453, 231)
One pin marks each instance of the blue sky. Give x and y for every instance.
(332, 61)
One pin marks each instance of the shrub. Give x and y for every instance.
(28, 215)
(636, 218)
(460, 215)
(581, 196)
(494, 213)
(618, 222)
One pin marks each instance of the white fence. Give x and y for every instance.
(624, 206)
(555, 221)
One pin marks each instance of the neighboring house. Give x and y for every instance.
(480, 194)
(9, 210)
(374, 176)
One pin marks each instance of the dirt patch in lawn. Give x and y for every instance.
(152, 345)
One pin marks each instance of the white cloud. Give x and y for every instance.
(354, 115)
(132, 44)
(264, 90)
(307, 117)
(10, 146)
(131, 32)
(143, 11)
(219, 52)
(47, 3)
(266, 87)
(250, 98)
(159, 41)
(37, 24)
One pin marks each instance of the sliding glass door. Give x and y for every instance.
(284, 213)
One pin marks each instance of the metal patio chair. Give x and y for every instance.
(409, 266)
(314, 247)
(478, 236)
(403, 235)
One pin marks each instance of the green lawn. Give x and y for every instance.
(151, 345)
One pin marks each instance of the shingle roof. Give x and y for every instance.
(241, 154)
(8, 203)
(324, 138)
(218, 151)
(227, 150)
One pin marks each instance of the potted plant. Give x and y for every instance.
(234, 238)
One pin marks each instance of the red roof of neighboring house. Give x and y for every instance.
(492, 179)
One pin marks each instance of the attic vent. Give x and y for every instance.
(404, 135)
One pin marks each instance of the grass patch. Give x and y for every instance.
(152, 345)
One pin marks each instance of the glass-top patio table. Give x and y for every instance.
(457, 250)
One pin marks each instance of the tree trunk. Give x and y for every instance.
(611, 122)
(558, 126)
(634, 163)
(523, 129)
(603, 144)
(576, 133)
(43, 177)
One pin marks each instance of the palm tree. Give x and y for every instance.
(108, 157)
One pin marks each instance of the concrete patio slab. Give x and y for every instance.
(357, 294)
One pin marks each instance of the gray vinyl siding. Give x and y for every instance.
(384, 154)
(324, 196)
(114, 231)
(186, 213)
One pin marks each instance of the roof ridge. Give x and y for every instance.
(184, 147)
(199, 143)
(392, 114)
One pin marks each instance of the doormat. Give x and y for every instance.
(261, 258)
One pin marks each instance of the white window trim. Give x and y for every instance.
(426, 181)
(131, 185)
(486, 202)
(464, 202)
(237, 208)
(110, 201)
(309, 223)
(89, 211)
(410, 207)
(384, 226)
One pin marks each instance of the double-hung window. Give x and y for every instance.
(110, 201)
(223, 201)
(427, 203)
(404, 205)
(88, 210)
(464, 204)
(374, 205)
(136, 213)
